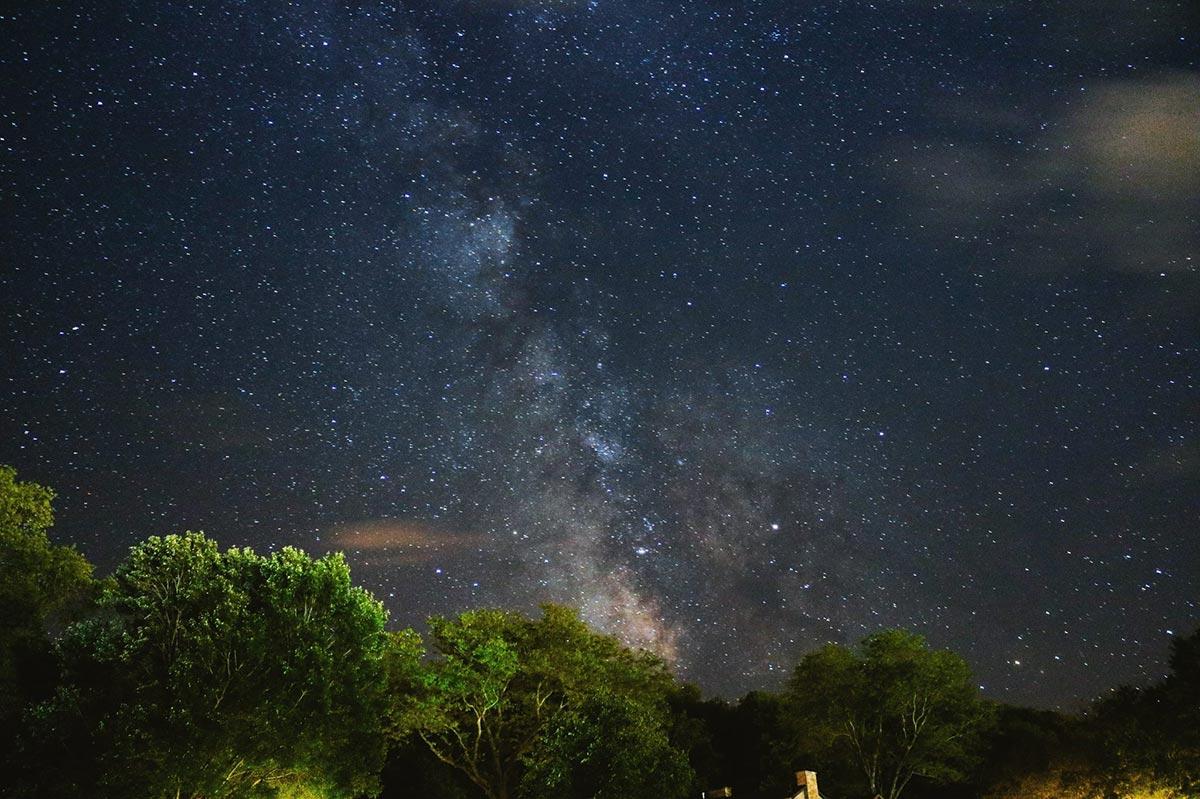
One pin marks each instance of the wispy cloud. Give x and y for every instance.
(401, 540)
(1109, 181)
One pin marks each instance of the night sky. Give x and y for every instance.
(743, 326)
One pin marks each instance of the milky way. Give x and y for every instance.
(742, 327)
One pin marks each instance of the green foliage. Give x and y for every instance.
(412, 772)
(1022, 740)
(608, 747)
(759, 743)
(194, 672)
(892, 709)
(693, 723)
(223, 674)
(1146, 742)
(506, 693)
(738, 745)
(39, 582)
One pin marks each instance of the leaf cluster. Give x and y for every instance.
(500, 687)
(210, 673)
(890, 710)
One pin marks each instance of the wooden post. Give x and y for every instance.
(806, 784)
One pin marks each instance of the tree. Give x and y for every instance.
(506, 694)
(1177, 701)
(608, 747)
(695, 724)
(1134, 743)
(741, 746)
(758, 747)
(39, 581)
(1037, 753)
(221, 674)
(1025, 740)
(1071, 779)
(897, 710)
(1146, 741)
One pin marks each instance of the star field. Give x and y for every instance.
(741, 326)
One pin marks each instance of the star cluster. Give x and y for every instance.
(743, 327)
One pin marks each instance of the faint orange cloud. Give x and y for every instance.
(1110, 180)
(400, 540)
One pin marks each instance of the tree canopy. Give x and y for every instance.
(205, 673)
(224, 674)
(506, 695)
(39, 580)
(607, 747)
(892, 708)
(1135, 743)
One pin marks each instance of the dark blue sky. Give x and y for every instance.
(742, 326)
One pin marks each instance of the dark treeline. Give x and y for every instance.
(197, 672)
